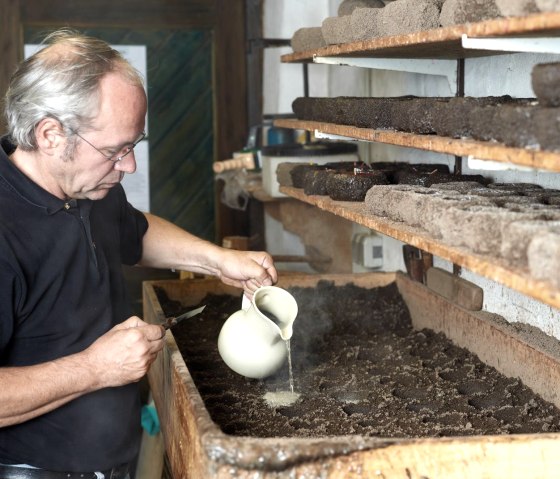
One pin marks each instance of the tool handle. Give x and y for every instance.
(244, 160)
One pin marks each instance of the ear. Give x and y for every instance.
(50, 136)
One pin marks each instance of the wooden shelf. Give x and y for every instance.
(256, 190)
(484, 150)
(490, 267)
(438, 43)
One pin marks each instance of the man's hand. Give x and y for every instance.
(247, 269)
(168, 246)
(125, 353)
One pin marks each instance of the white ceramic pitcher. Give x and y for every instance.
(252, 341)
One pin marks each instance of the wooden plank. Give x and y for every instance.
(174, 394)
(254, 14)
(230, 108)
(455, 289)
(490, 337)
(442, 42)
(125, 13)
(512, 457)
(197, 448)
(484, 150)
(488, 266)
(191, 291)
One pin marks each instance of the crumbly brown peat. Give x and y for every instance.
(360, 369)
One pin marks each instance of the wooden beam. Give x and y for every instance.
(230, 109)
(124, 13)
(254, 20)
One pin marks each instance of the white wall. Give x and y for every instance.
(283, 82)
(493, 75)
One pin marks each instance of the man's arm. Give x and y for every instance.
(121, 356)
(168, 246)
(31, 391)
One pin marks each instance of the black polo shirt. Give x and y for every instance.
(61, 287)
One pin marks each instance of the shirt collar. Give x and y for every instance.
(24, 186)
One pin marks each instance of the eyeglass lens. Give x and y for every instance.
(126, 149)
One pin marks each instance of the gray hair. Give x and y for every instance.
(61, 81)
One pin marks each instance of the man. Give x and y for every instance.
(71, 353)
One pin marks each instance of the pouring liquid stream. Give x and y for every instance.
(290, 366)
(276, 321)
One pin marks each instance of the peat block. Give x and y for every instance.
(513, 122)
(347, 186)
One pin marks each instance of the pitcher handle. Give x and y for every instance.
(245, 302)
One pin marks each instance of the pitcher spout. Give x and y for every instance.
(287, 332)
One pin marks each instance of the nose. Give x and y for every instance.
(127, 164)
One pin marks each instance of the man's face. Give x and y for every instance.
(84, 170)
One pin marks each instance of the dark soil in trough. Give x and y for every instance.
(361, 370)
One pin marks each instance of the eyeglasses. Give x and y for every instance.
(124, 151)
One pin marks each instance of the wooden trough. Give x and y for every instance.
(197, 448)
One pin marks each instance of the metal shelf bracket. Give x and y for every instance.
(512, 44)
(445, 68)
(489, 165)
(330, 136)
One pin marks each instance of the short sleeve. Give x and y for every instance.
(10, 298)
